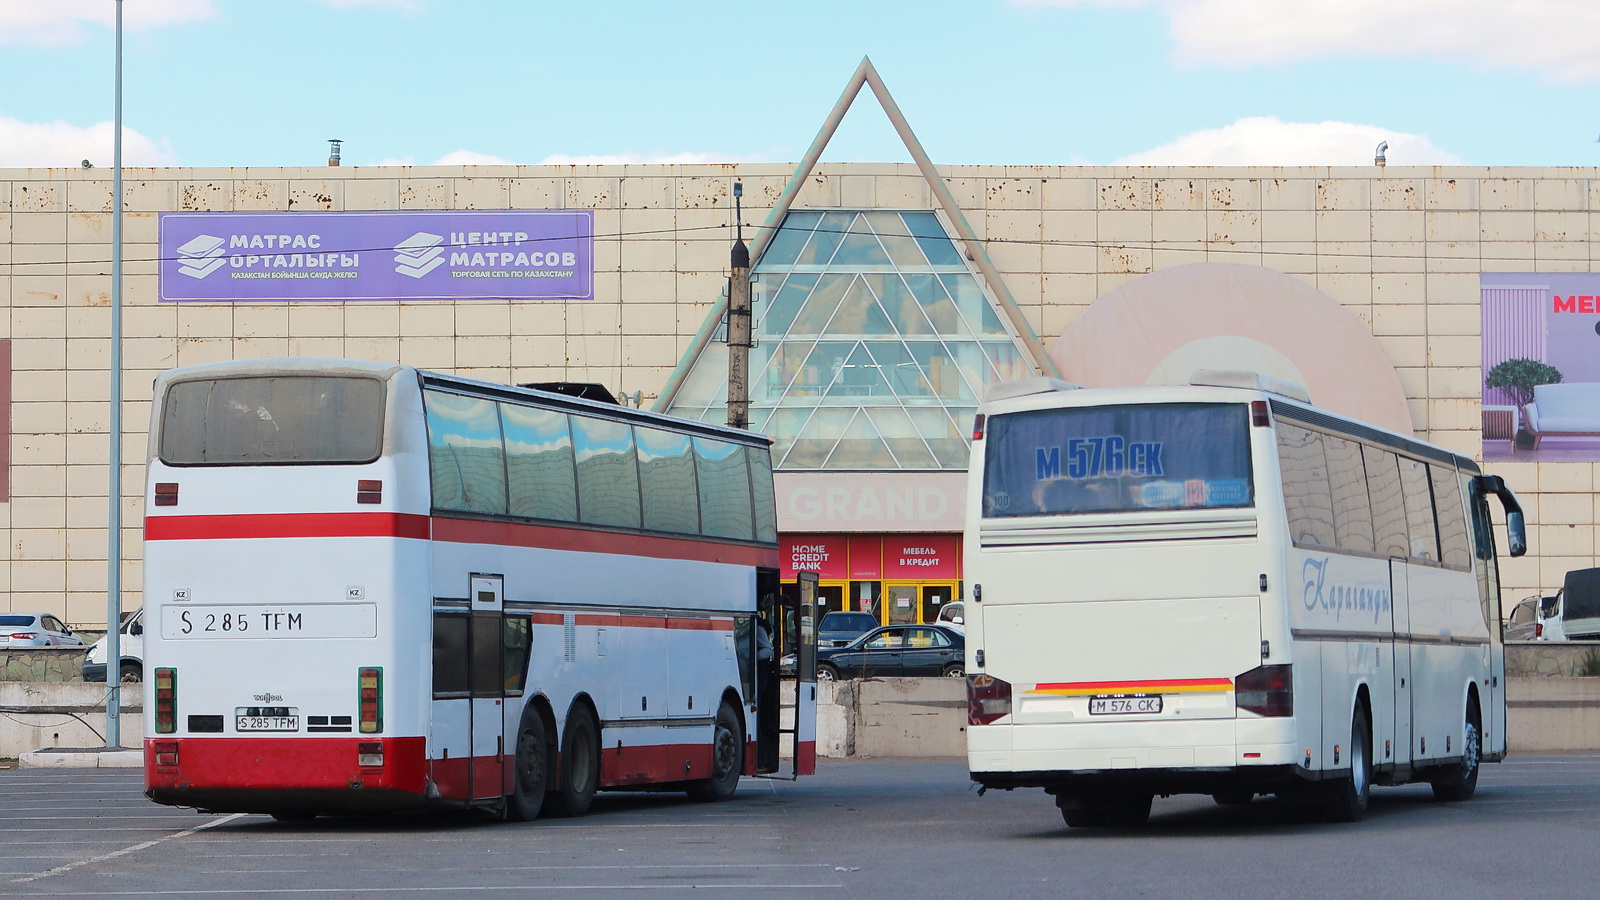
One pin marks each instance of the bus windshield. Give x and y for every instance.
(1117, 458)
(284, 419)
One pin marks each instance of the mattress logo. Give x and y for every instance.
(419, 254)
(1358, 601)
(201, 256)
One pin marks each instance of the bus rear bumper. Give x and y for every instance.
(265, 775)
(1204, 756)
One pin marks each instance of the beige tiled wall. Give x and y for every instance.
(1401, 249)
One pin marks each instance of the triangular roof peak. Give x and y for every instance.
(867, 75)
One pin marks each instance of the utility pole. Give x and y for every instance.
(114, 488)
(739, 322)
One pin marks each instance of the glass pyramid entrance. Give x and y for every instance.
(874, 341)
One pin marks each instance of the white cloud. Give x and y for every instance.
(58, 144)
(1266, 141)
(53, 22)
(1554, 37)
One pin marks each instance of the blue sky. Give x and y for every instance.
(233, 83)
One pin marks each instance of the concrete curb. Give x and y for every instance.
(82, 758)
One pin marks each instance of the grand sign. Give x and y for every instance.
(337, 256)
(870, 501)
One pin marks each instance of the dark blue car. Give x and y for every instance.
(895, 651)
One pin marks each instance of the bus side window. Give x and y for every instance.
(766, 505)
(450, 655)
(1388, 504)
(666, 481)
(1305, 485)
(725, 507)
(539, 464)
(608, 472)
(518, 633)
(1455, 550)
(467, 466)
(1352, 510)
(1419, 509)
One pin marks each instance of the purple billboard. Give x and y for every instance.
(1541, 366)
(337, 256)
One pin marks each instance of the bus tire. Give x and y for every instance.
(727, 758)
(580, 764)
(1460, 781)
(531, 778)
(1348, 802)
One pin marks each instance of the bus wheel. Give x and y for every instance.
(1460, 781)
(580, 764)
(532, 775)
(727, 758)
(1349, 800)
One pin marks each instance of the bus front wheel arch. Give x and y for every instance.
(1460, 781)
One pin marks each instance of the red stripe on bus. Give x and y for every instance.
(277, 764)
(1150, 683)
(550, 537)
(286, 525)
(549, 619)
(675, 624)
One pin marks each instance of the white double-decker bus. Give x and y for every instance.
(373, 588)
(1221, 589)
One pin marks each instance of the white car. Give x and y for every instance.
(951, 616)
(35, 630)
(130, 646)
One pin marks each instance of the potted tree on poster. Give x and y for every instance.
(1519, 377)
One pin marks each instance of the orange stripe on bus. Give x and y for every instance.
(1152, 686)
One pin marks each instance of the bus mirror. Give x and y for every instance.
(1516, 533)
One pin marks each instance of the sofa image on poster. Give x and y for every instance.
(1541, 366)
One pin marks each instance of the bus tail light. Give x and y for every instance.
(166, 701)
(166, 493)
(371, 694)
(1259, 416)
(166, 753)
(369, 491)
(1266, 691)
(988, 699)
(977, 427)
(369, 753)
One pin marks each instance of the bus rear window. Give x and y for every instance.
(272, 420)
(1117, 458)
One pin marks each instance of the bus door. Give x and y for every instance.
(1400, 670)
(793, 716)
(805, 685)
(487, 675)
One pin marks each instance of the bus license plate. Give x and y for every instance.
(1124, 706)
(266, 723)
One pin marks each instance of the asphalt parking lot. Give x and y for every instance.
(860, 828)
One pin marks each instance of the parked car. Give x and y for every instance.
(953, 616)
(1524, 624)
(130, 647)
(895, 651)
(840, 628)
(35, 630)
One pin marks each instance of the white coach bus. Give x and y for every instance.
(1220, 589)
(373, 588)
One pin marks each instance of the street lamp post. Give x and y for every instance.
(114, 490)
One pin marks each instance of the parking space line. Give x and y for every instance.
(124, 851)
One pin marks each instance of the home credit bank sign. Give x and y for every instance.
(337, 256)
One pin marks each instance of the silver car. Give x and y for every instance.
(35, 630)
